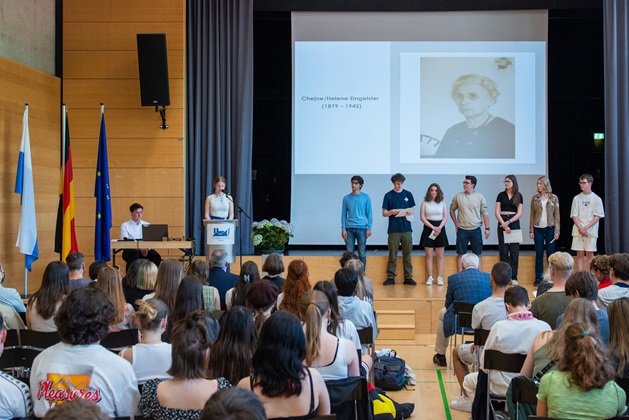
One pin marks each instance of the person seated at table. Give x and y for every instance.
(132, 229)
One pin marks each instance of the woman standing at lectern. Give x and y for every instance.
(219, 205)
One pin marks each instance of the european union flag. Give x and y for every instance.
(102, 239)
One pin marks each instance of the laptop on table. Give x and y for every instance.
(154, 232)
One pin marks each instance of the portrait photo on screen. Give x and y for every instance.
(476, 112)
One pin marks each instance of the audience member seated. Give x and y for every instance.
(545, 284)
(211, 297)
(262, 297)
(547, 348)
(468, 286)
(79, 365)
(513, 335)
(582, 387)
(334, 357)
(169, 275)
(151, 357)
(189, 299)
(232, 352)
(77, 409)
(364, 288)
(548, 306)
(338, 326)
(619, 273)
(219, 277)
(44, 303)
(233, 404)
(599, 266)
(15, 397)
(274, 268)
(618, 347)
(95, 268)
(583, 284)
(297, 283)
(358, 311)
(346, 256)
(185, 395)
(136, 283)
(484, 315)
(76, 264)
(110, 282)
(237, 296)
(10, 297)
(288, 390)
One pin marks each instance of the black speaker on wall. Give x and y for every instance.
(153, 63)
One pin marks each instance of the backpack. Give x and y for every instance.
(388, 372)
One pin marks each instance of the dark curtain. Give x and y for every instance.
(616, 24)
(219, 109)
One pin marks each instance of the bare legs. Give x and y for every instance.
(460, 369)
(440, 252)
(581, 257)
(429, 256)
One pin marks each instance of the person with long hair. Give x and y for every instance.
(618, 348)
(237, 296)
(434, 215)
(273, 266)
(139, 280)
(44, 303)
(109, 281)
(262, 297)
(151, 357)
(219, 205)
(508, 213)
(189, 299)
(334, 357)
(169, 275)
(364, 288)
(183, 396)
(297, 282)
(599, 266)
(211, 297)
(583, 385)
(338, 326)
(287, 388)
(544, 224)
(232, 352)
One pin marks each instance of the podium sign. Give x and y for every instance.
(220, 234)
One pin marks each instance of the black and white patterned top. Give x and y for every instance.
(151, 408)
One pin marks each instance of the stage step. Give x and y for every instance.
(398, 324)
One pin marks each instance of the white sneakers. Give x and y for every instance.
(430, 281)
(514, 282)
(462, 404)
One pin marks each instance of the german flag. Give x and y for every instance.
(65, 235)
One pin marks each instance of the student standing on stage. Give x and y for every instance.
(434, 215)
(586, 211)
(356, 219)
(508, 213)
(398, 205)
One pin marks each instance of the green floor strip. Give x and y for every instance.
(444, 398)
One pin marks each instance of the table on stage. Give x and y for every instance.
(186, 246)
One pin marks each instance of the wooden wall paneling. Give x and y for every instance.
(20, 84)
(133, 182)
(116, 36)
(123, 11)
(156, 210)
(140, 123)
(114, 64)
(156, 153)
(114, 93)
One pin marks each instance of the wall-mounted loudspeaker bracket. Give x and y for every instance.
(162, 113)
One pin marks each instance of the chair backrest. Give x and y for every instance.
(505, 362)
(523, 390)
(480, 336)
(12, 319)
(12, 340)
(623, 383)
(120, 339)
(366, 336)
(328, 417)
(463, 311)
(38, 340)
(349, 398)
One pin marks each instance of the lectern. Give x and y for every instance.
(220, 234)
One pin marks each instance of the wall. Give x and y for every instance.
(21, 84)
(27, 33)
(100, 65)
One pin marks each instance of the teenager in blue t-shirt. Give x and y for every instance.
(356, 219)
(398, 205)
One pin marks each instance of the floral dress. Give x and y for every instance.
(151, 408)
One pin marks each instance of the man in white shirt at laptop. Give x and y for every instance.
(132, 229)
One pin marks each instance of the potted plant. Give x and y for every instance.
(272, 235)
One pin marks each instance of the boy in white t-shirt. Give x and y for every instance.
(586, 211)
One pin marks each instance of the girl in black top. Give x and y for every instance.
(508, 213)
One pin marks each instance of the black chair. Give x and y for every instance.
(523, 391)
(365, 335)
(349, 398)
(480, 338)
(114, 341)
(12, 339)
(34, 342)
(623, 383)
(462, 322)
(504, 362)
(328, 417)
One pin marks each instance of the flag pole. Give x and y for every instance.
(25, 260)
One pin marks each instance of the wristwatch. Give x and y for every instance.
(487, 228)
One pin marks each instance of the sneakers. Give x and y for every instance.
(389, 282)
(410, 282)
(537, 282)
(439, 281)
(439, 360)
(462, 404)
(514, 282)
(429, 281)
